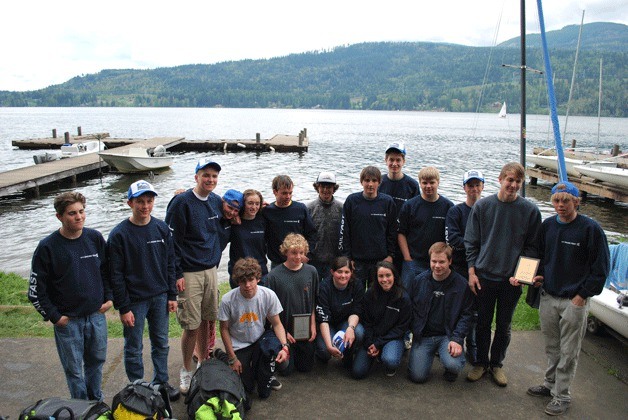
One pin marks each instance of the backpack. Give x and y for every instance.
(216, 391)
(141, 400)
(66, 409)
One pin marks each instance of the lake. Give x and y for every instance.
(340, 141)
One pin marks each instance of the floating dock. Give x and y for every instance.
(278, 143)
(31, 178)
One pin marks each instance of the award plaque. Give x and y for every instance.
(526, 270)
(301, 326)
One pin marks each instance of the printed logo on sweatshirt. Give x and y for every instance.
(571, 243)
(89, 256)
(292, 221)
(256, 232)
(438, 217)
(378, 214)
(394, 309)
(156, 241)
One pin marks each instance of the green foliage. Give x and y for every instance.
(525, 317)
(13, 289)
(378, 76)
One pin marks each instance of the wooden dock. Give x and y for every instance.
(278, 143)
(31, 178)
(585, 184)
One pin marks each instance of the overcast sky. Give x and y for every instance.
(47, 42)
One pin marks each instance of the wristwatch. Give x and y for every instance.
(352, 326)
(232, 361)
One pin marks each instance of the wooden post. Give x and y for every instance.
(258, 137)
(301, 138)
(66, 137)
(573, 143)
(615, 151)
(304, 132)
(79, 130)
(54, 133)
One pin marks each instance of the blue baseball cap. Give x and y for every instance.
(566, 186)
(140, 187)
(205, 162)
(234, 198)
(397, 147)
(472, 174)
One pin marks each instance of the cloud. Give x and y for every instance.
(54, 41)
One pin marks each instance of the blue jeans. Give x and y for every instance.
(422, 356)
(155, 310)
(390, 356)
(321, 348)
(82, 348)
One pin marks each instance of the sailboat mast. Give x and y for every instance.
(599, 105)
(573, 79)
(522, 141)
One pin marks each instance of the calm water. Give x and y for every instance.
(340, 141)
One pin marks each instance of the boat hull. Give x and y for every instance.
(132, 164)
(614, 175)
(605, 308)
(551, 162)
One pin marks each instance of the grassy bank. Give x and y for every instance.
(18, 318)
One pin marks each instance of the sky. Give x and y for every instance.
(48, 42)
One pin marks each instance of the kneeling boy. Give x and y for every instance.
(441, 315)
(242, 314)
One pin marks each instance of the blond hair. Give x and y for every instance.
(428, 173)
(294, 241)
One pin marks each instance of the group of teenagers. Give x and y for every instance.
(397, 267)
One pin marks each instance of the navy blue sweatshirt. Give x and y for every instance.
(457, 299)
(248, 240)
(385, 317)
(423, 224)
(368, 230)
(455, 225)
(142, 262)
(196, 228)
(400, 190)
(574, 257)
(280, 221)
(334, 306)
(70, 276)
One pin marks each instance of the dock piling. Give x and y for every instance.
(258, 138)
(79, 130)
(615, 151)
(54, 133)
(66, 137)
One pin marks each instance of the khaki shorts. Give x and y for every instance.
(199, 301)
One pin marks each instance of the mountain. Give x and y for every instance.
(382, 76)
(604, 36)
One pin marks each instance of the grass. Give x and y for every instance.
(18, 318)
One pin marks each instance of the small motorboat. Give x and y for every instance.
(138, 159)
(83, 148)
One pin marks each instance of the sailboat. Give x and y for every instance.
(502, 112)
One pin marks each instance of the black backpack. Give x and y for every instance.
(216, 391)
(141, 400)
(66, 409)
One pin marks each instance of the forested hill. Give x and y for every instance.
(382, 76)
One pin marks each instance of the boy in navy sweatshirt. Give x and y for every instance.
(69, 286)
(574, 266)
(143, 279)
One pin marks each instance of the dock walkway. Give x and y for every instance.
(31, 178)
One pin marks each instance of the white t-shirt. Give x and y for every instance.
(247, 316)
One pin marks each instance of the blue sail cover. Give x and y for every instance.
(562, 172)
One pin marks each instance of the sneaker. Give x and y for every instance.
(184, 383)
(499, 377)
(557, 407)
(391, 372)
(476, 373)
(408, 343)
(173, 393)
(539, 391)
(275, 384)
(450, 376)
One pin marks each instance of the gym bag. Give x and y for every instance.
(141, 400)
(216, 391)
(66, 409)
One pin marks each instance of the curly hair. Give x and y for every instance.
(245, 268)
(294, 240)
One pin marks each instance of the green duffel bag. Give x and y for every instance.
(66, 409)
